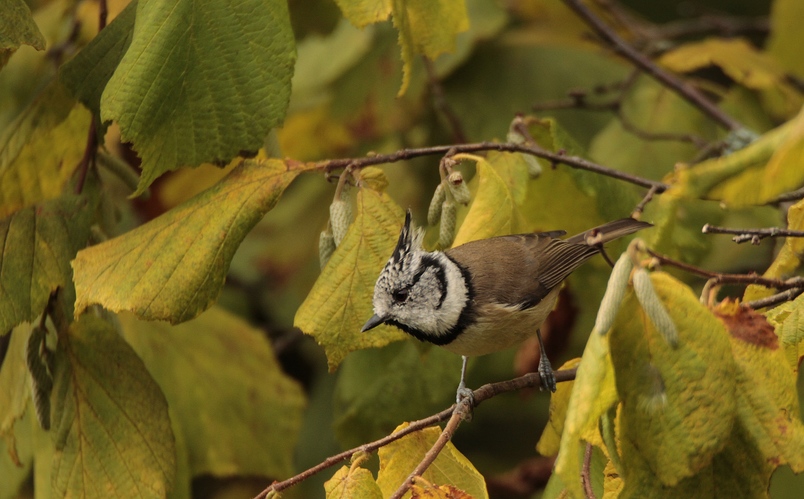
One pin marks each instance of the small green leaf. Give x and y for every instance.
(38, 244)
(42, 150)
(340, 301)
(238, 418)
(678, 404)
(17, 28)
(399, 458)
(111, 429)
(173, 267)
(352, 483)
(201, 81)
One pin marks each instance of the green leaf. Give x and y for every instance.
(399, 458)
(376, 389)
(340, 301)
(87, 74)
(651, 107)
(41, 150)
(173, 267)
(38, 244)
(786, 37)
(427, 27)
(16, 457)
(201, 81)
(768, 404)
(111, 429)
(17, 28)
(678, 404)
(238, 418)
(788, 321)
(361, 13)
(352, 483)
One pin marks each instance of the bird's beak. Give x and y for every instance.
(375, 321)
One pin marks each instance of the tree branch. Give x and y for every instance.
(483, 393)
(686, 91)
(753, 235)
(571, 161)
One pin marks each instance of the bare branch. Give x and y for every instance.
(485, 392)
(571, 161)
(776, 299)
(688, 92)
(753, 235)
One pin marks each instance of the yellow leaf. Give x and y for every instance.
(427, 27)
(361, 13)
(492, 212)
(399, 458)
(40, 153)
(678, 404)
(766, 385)
(14, 392)
(111, 428)
(173, 267)
(352, 483)
(341, 299)
(786, 37)
(238, 418)
(421, 490)
(551, 436)
(788, 320)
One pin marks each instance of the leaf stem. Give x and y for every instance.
(586, 477)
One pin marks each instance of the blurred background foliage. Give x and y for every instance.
(518, 56)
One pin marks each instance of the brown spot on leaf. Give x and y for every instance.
(747, 325)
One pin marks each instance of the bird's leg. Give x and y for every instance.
(545, 369)
(463, 392)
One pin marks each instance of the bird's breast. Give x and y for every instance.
(498, 327)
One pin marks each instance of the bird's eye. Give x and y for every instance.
(400, 295)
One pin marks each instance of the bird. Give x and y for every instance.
(486, 295)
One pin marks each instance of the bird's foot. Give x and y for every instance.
(547, 374)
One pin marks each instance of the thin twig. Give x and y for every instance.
(440, 103)
(753, 235)
(788, 196)
(718, 278)
(645, 200)
(459, 415)
(571, 161)
(772, 300)
(586, 477)
(483, 393)
(688, 92)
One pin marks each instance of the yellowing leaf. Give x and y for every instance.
(399, 458)
(786, 37)
(492, 212)
(551, 436)
(593, 393)
(340, 301)
(111, 429)
(361, 13)
(420, 490)
(678, 404)
(238, 418)
(427, 27)
(173, 267)
(14, 391)
(788, 321)
(766, 385)
(38, 244)
(41, 150)
(201, 81)
(352, 483)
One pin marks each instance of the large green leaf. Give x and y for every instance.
(17, 27)
(340, 301)
(38, 244)
(111, 429)
(40, 151)
(173, 267)
(201, 81)
(238, 418)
